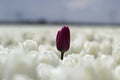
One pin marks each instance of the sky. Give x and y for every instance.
(61, 10)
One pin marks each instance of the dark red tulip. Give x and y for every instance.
(63, 40)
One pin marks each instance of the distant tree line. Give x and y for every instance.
(44, 22)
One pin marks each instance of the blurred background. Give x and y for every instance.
(81, 12)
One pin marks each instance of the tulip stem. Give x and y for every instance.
(62, 54)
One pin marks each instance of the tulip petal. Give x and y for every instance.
(63, 39)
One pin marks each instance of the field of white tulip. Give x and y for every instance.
(28, 52)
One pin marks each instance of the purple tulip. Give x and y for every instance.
(63, 40)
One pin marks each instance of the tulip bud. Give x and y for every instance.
(63, 40)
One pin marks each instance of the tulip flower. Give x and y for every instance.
(63, 40)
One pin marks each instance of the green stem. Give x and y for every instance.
(62, 54)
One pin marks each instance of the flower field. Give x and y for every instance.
(28, 52)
